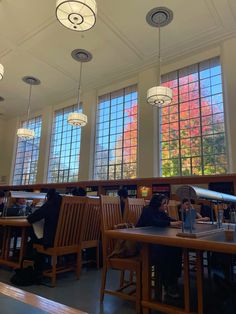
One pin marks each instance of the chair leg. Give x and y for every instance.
(103, 281)
(131, 276)
(54, 269)
(78, 264)
(97, 256)
(138, 290)
(122, 278)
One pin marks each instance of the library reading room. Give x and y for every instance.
(117, 157)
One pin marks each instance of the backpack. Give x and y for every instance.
(25, 277)
(124, 248)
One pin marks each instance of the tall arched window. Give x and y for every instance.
(64, 156)
(27, 154)
(193, 140)
(116, 135)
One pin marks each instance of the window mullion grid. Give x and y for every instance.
(71, 137)
(109, 138)
(59, 164)
(200, 114)
(95, 165)
(180, 156)
(123, 129)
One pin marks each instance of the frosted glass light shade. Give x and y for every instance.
(77, 15)
(25, 134)
(77, 119)
(159, 96)
(1, 71)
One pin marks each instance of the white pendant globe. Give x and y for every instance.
(1, 71)
(159, 96)
(77, 119)
(77, 15)
(25, 134)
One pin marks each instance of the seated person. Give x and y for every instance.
(49, 211)
(79, 192)
(185, 206)
(123, 194)
(168, 259)
(2, 204)
(19, 208)
(206, 211)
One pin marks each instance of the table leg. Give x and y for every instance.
(186, 281)
(199, 276)
(7, 241)
(23, 244)
(4, 240)
(146, 276)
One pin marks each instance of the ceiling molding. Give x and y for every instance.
(116, 31)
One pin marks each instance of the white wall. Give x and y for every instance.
(148, 157)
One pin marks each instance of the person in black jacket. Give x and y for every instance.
(123, 194)
(168, 259)
(2, 197)
(79, 191)
(49, 211)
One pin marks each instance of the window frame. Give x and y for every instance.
(116, 170)
(215, 83)
(30, 177)
(60, 132)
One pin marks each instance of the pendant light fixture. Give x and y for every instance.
(77, 15)
(159, 96)
(78, 118)
(27, 133)
(1, 71)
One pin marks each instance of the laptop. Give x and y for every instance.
(14, 212)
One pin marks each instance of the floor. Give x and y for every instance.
(83, 295)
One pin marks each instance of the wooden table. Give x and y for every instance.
(8, 224)
(30, 299)
(167, 236)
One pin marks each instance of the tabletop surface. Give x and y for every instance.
(15, 300)
(168, 236)
(13, 221)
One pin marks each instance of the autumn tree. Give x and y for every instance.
(192, 133)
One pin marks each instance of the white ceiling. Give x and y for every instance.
(34, 43)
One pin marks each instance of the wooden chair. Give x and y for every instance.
(173, 209)
(92, 229)
(111, 215)
(133, 210)
(68, 238)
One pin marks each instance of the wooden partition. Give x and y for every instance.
(145, 187)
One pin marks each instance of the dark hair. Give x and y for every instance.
(51, 194)
(79, 192)
(123, 193)
(157, 200)
(184, 200)
(2, 194)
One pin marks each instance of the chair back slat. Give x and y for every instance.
(173, 211)
(133, 210)
(70, 222)
(111, 216)
(92, 222)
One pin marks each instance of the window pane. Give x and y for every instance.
(65, 148)
(116, 140)
(197, 121)
(27, 154)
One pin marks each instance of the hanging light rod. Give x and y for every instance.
(159, 95)
(27, 133)
(79, 118)
(1, 71)
(77, 15)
